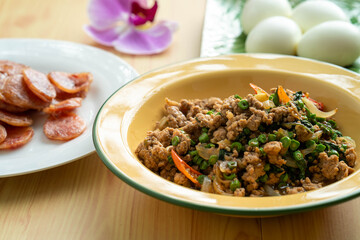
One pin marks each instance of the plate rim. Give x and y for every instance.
(58, 43)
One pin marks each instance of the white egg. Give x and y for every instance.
(311, 13)
(255, 11)
(336, 42)
(274, 35)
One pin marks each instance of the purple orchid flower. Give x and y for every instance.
(124, 24)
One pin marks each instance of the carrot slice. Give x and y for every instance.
(258, 89)
(283, 97)
(185, 169)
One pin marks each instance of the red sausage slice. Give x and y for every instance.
(61, 95)
(11, 108)
(39, 84)
(11, 68)
(65, 127)
(63, 106)
(16, 137)
(15, 119)
(71, 83)
(15, 92)
(3, 133)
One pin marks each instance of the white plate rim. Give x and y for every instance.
(26, 48)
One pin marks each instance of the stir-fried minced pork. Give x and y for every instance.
(260, 145)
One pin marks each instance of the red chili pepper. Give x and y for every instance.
(319, 105)
(184, 168)
(258, 89)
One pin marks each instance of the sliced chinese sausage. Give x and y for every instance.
(11, 68)
(3, 133)
(18, 120)
(61, 95)
(11, 108)
(64, 106)
(16, 137)
(39, 84)
(64, 127)
(16, 92)
(71, 83)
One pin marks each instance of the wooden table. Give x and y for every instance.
(84, 200)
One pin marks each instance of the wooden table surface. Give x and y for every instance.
(84, 200)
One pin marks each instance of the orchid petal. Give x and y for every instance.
(144, 42)
(105, 13)
(105, 37)
(140, 15)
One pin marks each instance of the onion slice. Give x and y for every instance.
(207, 185)
(313, 109)
(269, 190)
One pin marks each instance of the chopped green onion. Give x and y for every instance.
(234, 184)
(193, 153)
(262, 138)
(175, 140)
(210, 112)
(201, 179)
(237, 146)
(262, 151)
(210, 145)
(229, 177)
(192, 142)
(310, 143)
(213, 159)
(291, 134)
(204, 138)
(344, 146)
(298, 156)
(333, 152)
(271, 137)
(198, 160)
(286, 141)
(243, 104)
(237, 96)
(294, 145)
(300, 162)
(253, 142)
(320, 148)
(232, 164)
(204, 165)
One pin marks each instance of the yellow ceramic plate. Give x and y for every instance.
(129, 113)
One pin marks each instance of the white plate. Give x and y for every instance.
(110, 73)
